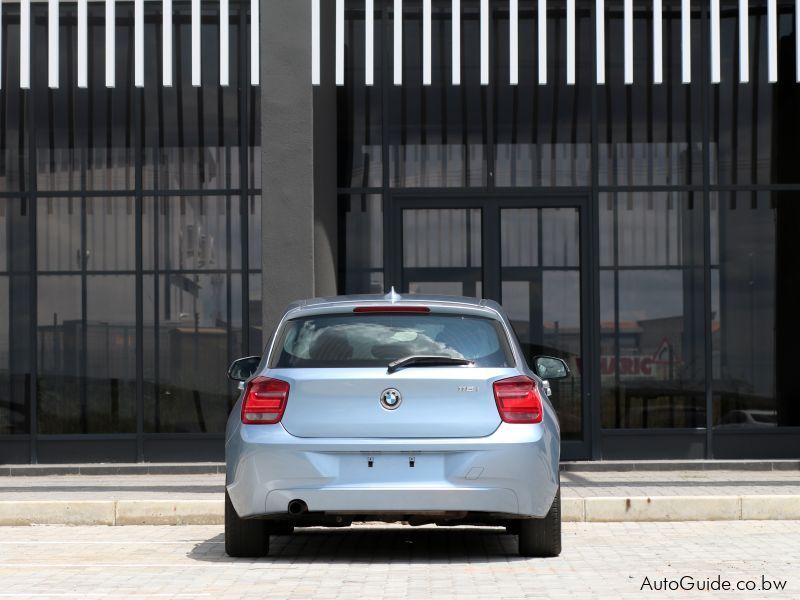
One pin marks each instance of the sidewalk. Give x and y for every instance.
(588, 495)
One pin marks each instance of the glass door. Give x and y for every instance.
(528, 255)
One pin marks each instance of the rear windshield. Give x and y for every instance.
(373, 340)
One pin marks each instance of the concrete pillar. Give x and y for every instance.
(298, 150)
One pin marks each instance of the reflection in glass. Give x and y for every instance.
(543, 132)
(756, 125)
(192, 232)
(60, 349)
(191, 134)
(651, 302)
(108, 243)
(60, 119)
(359, 108)
(15, 354)
(186, 389)
(363, 221)
(442, 251)
(110, 382)
(437, 132)
(111, 155)
(258, 338)
(651, 134)
(541, 294)
(755, 323)
(86, 365)
(14, 108)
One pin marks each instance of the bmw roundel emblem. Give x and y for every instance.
(390, 399)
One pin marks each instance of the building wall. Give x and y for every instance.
(130, 238)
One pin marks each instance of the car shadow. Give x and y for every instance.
(377, 544)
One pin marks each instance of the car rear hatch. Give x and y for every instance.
(435, 402)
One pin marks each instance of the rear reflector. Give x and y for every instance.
(264, 401)
(518, 400)
(391, 309)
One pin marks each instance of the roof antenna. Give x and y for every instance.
(392, 296)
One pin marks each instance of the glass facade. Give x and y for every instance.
(130, 226)
(642, 231)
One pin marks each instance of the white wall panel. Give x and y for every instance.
(166, 42)
(398, 42)
(339, 42)
(224, 43)
(570, 42)
(315, 68)
(600, 40)
(52, 43)
(25, 44)
(772, 36)
(138, 43)
(83, 68)
(369, 42)
(484, 42)
(456, 40)
(686, 41)
(255, 59)
(196, 51)
(541, 25)
(658, 43)
(513, 42)
(714, 38)
(628, 27)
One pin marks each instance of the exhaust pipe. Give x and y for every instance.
(297, 507)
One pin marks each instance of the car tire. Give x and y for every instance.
(244, 538)
(542, 537)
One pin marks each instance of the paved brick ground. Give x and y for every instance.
(575, 484)
(377, 562)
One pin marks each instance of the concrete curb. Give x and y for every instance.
(213, 468)
(591, 510)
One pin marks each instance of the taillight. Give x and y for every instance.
(397, 308)
(264, 401)
(518, 400)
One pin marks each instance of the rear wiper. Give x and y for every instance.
(425, 361)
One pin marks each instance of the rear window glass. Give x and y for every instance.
(373, 340)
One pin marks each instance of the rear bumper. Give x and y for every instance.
(514, 471)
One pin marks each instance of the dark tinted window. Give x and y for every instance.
(373, 340)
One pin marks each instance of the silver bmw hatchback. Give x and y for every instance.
(419, 409)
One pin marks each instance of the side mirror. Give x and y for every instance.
(550, 368)
(242, 368)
